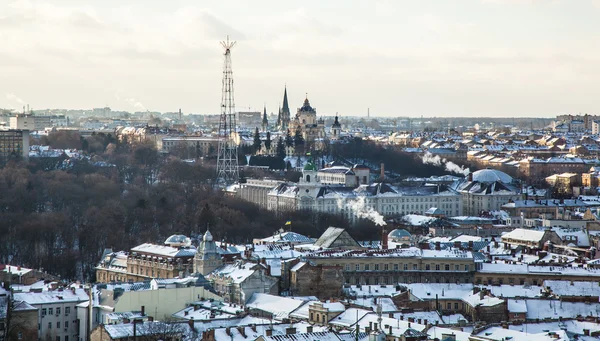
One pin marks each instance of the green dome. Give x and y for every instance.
(309, 166)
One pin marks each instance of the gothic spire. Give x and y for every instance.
(286, 107)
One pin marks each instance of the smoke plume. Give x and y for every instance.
(360, 209)
(449, 166)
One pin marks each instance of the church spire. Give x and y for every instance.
(286, 107)
(265, 121)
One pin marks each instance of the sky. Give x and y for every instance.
(535, 58)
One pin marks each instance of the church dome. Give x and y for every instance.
(207, 236)
(491, 175)
(306, 106)
(309, 166)
(398, 234)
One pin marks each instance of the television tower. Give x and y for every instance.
(227, 158)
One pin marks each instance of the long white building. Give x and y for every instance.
(361, 199)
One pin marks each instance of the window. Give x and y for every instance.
(49, 325)
(58, 338)
(437, 266)
(466, 267)
(58, 325)
(447, 267)
(347, 269)
(427, 267)
(58, 311)
(357, 267)
(395, 267)
(405, 266)
(50, 311)
(43, 311)
(414, 266)
(455, 306)
(366, 267)
(376, 267)
(449, 306)
(67, 310)
(456, 267)
(20, 336)
(386, 267)
(66, 324)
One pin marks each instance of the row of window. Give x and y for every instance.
(405, 267)
(390, 280)
(58, 311)
(57, 325)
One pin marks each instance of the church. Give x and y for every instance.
(305, 121)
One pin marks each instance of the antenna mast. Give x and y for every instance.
(227, 158)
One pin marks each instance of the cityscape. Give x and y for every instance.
(332, 206)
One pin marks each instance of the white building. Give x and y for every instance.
(486, 190)
(57, 314)
(359, 201)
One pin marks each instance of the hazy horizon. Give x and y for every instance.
(470, 58)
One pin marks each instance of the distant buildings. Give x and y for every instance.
(14, 144)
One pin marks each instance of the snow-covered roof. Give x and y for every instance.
(56, 296)
(524, 235)
(491, 175)
(237, 272)
(570, 288)
(279, 306)
(163, 250)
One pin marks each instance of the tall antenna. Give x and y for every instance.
(227, 158)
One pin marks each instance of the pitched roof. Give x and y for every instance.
(332, 234)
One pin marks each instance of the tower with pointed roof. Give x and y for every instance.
(284, 113)
(207, 257)
(336, 128)
(265, 121)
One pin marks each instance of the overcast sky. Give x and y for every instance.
(396, 57)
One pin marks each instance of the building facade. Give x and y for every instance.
(14, 144)
(410, 265)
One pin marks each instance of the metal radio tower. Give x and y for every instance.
(227, 159)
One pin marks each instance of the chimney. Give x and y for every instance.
(470, 177)
(391, 315)
(470, 245)
(309, 329)
(269, 332)
(375, 326)
(370, 325)
(268, 270)
(457, 244)
(290, 331)
(475, 290)
(126, 320)
(438, 246)
(143, 311)
(425, 321)
(384, 239)
(586, 332)
(253, 326)
(242, 331)
(228, 331)
(150, 318)
(481, 294)
(382, 175)
(419, 321)
(411, 319)
(191, 323)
